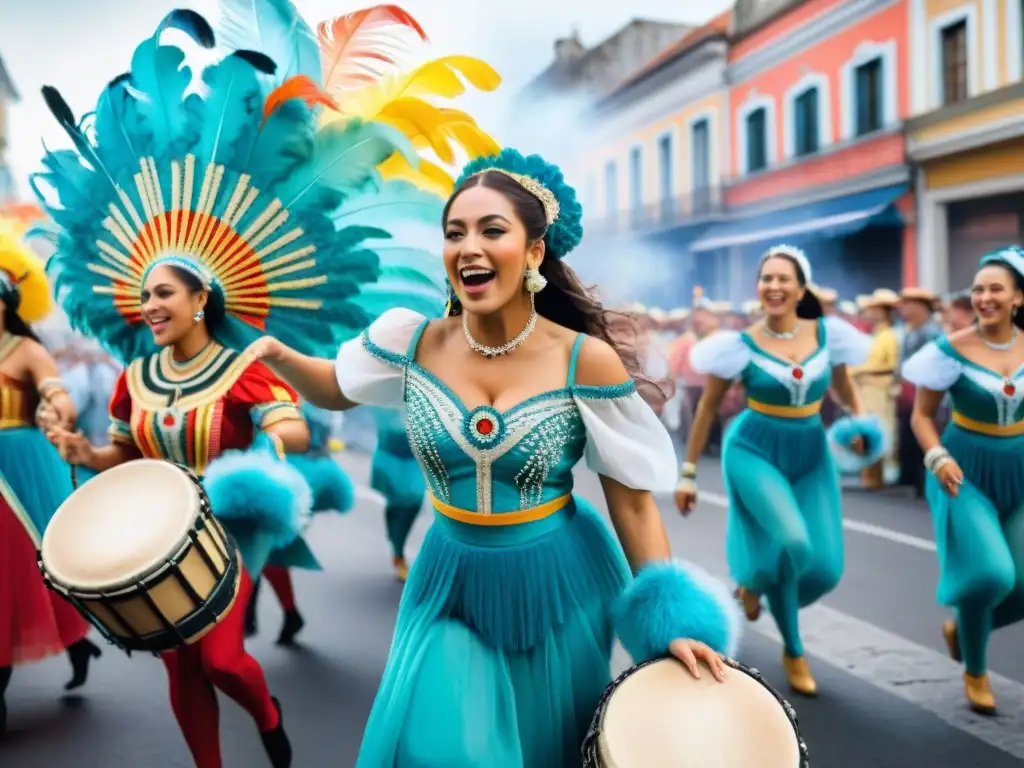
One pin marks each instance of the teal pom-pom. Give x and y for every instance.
(844, 431)
(332, 489)
(672, 600)
(256, 490)
(567, 230)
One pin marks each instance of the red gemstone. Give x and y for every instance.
(169, 420)
(798, 373)
(1009, 389)
(485, 426)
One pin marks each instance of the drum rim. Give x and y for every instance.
(154, 565)
(592, 750)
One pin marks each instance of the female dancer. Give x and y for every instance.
(505, 631)
(34, 622)
(332, 492)
(975, 487)
(395, 474)
(785, 537)
(194, 225)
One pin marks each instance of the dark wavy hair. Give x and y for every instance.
(13, 323)
(1018, 284)
(809, 307)
(566, 300)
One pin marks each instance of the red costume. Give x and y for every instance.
(189, 413)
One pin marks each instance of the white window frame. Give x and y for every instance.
(753, 103)
(865, 53)
(1014, 41)
(711, 115)
(810, 80)
(637, 146)
(968, 13)
(673, 162)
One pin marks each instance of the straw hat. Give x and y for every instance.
(679, 313)
(916, 293)
(825, 295)
(851, 308)
(750, 307)
(882, 297)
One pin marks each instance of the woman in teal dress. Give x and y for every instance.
(975, 484)
(395, 474)
(505, 630)
(784, 538)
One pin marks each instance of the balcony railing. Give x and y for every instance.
(654, 217)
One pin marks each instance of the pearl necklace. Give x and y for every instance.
(781, 335)
(1002, 346)
(508, 346)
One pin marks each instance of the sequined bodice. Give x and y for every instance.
(491, 461)
(18, 399)
(984, 395)
(780, 382)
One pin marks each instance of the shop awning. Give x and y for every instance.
(838, 217)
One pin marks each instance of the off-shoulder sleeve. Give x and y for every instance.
(846, 345)
(270, 400)
(723, 354)
(625, 439)
(120, 429)
(932, 368)
(371, 369)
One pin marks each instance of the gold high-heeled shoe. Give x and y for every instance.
(401, 569)
(751, 602)
(979, 694)
(798, 673)
(952, 636)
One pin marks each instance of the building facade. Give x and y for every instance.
(8, 97)
(653, 161)
(817, 100)
(966, 133)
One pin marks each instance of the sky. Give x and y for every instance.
(78, 46)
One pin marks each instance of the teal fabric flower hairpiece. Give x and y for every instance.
(563, 210)
(1012, 256)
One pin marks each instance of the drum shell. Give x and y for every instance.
(174, 603)
(664, 728)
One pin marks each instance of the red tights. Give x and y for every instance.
(281, 580)
(218, 660)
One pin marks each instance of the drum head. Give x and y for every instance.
(661, 717)
(120, 525)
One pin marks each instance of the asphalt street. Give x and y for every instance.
(889, 696)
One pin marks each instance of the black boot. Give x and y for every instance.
(293, 624)
(5, 678)
(250, 610)
(279, 749)
(80, 655)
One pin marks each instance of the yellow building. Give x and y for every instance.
(658, 146)
(966, 135)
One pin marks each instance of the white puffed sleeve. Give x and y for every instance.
(846, 345)
(625, 439)
(371, 368)
(931, 368)
(723, 354)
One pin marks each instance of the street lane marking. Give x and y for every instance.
(877, 531)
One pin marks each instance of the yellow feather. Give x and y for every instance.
(427, 176)
(22, 263)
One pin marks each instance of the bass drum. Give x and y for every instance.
(657, 715)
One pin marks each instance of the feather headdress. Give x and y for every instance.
(22, 277)
(288, 219)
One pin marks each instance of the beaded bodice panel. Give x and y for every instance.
(491, 461)
(984, 395)
(777, 381)
(18, 399)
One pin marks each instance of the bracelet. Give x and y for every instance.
(687, 485)
(278, 445)
(49, 387)
(936, 457)
(688, 470)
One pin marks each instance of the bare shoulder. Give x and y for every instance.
(437, 333)
(964, 339)
(29, 348)
(599, 365)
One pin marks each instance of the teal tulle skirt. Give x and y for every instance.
(502, 647)
(34, 479)
(784, 535)
(979, 538)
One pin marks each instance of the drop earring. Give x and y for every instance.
(535, 281)
(198, 316)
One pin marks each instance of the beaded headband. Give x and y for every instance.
(796, 254)
(182, 262)
(543, 194)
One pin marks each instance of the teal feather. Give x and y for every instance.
(351, 266)
(275, 28)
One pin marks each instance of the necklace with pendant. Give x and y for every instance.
(508, 346)
(1001, 346)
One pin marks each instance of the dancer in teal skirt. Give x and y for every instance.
(505, 631)
(975, 484)
(784, 538)
(396, 475)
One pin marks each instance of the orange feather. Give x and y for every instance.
(356, 49)
(298, 87)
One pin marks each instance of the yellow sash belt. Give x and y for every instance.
(785, 411)
(530, 515)
(992, 430)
